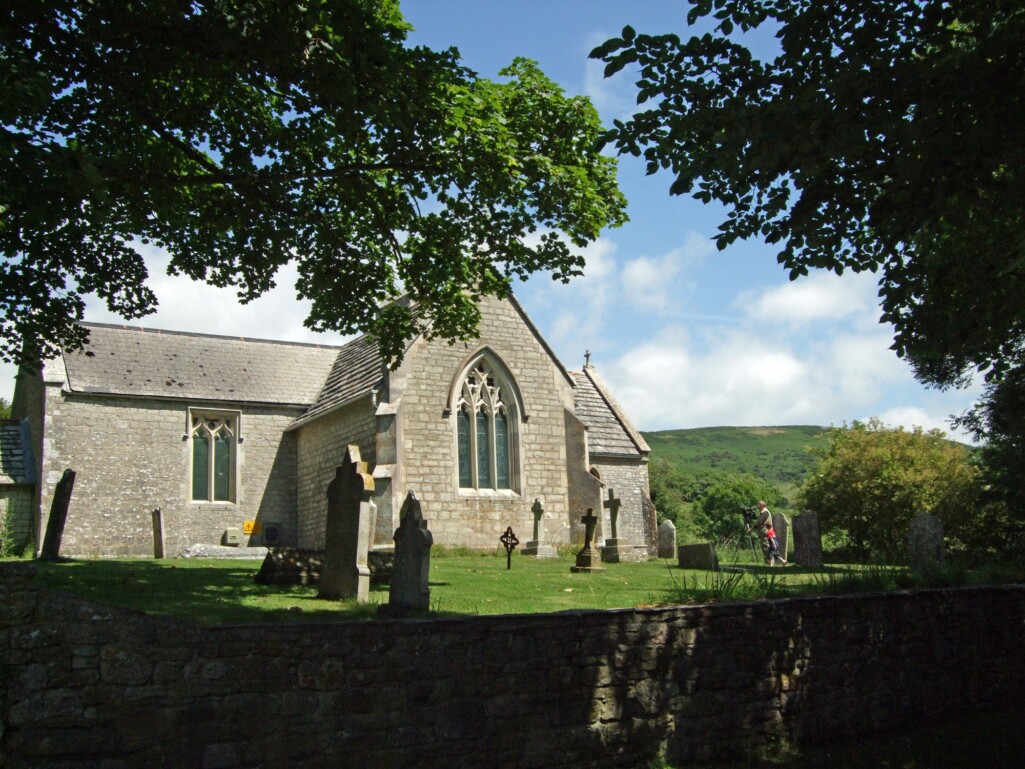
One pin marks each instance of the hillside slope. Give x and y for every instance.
(778, 454)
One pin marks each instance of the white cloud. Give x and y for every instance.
(188, 305)
(821, 296)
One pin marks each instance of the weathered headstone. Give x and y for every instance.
(158, 533)
(781, 526)
(535, 547)
(58, 517)
(409, 592)
(667, 540)
(807, 540)
(588, 559)
(698, 556)
(925, 542)
(347, 539)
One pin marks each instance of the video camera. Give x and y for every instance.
(749, 514)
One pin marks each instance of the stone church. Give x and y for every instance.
(236, 440)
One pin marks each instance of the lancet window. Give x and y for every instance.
(214, 440)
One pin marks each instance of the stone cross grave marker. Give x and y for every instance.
(408, 592)
(614, 549)
(925, 542)
(612, 504)
(509, 542)
(667, 540)
(588, 559)
(347, 539)
(807, 540)
(782, 528)
(535, 547)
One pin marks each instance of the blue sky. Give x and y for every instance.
(685, 336)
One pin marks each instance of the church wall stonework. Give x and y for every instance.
(129, 456)
(423, 385)
(321, 448)
(629, 480)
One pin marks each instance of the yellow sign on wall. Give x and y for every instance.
(251, 527)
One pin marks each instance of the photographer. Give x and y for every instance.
(760, 526)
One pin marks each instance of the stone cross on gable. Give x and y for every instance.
(613, 504)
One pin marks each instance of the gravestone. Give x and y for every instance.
(698, 556)
(782, 528)
(617, 550)
(347, 539)
(588, 558)
(667, 540)
(408, 593)
(58, 517)
(807, 540)
(534, 547)
(158, 534)
(925, 542)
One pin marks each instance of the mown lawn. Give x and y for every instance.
(225, 592)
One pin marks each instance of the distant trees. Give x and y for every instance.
(872, 480)
(719, 519)
(5, 409)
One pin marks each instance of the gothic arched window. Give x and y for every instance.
(485, 424)
(214, 437)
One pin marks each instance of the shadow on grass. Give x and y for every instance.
(202, 591)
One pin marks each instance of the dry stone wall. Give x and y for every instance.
(86, 686)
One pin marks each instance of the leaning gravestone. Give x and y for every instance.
(925, 542)
(667, 540)
(347, 539)
(782, 528)
(408, 592)
(534, 546)
(58, 517)
(698, 556)
(807, 540)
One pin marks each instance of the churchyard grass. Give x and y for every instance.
(225, 592)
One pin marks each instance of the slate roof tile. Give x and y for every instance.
(15, 453)
(127, 360)
(609, 431)
(357, 370)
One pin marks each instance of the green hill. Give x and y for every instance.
(777, 454)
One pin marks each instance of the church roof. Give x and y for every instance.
(609, 431)
(358, 369)
(133, 361)
(15, 453)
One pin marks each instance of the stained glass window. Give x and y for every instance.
(465, 458)
(213, 458)
(501, 450)
(483, 450)
(485, 447)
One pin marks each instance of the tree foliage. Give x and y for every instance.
(872, 480)
(674, 492)
(719, 517)
(241, 135)
(885, 135)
